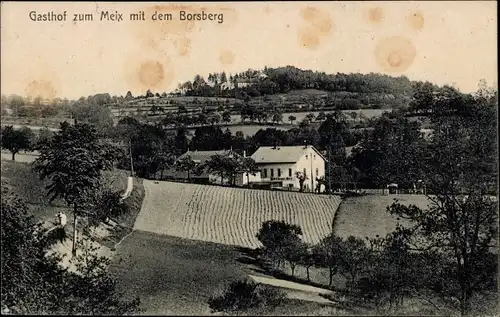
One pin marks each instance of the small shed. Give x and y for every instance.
(392, 188)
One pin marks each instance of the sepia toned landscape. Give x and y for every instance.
(266, 183)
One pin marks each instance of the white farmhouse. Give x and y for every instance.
(279, 165)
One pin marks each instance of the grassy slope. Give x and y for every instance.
(173, 275)
(28, 186)
(367, 216)
(177, 276)
(126, 221)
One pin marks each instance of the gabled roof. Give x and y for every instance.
(199, 157)
(282, 154)
(202, 156)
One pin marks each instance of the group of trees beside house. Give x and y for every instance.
(446, 253)
(227, 166)
(392, 149)
(155, 146)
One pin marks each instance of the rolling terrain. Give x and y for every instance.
(26, 184)
(176, 276)
(230, 215)
(367, 216)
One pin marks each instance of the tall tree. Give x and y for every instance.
(280, 239)
(72, 161)
(353, 257)
(226, 116)
(181, 141)
(277, 116)
(225, 165)
(16, 140)
(186, 164)
(248, 166)
(460, 170)
(391, 152)
(327, 254)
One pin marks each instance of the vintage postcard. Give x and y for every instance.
(249, 158)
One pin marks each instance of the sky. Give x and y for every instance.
(452, 43)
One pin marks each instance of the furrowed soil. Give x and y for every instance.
(231, 216)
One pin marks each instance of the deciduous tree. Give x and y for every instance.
(16, 140)
(327, 254)
(186, 164)
(33, 281)
(280, 238)
(72, 161)
(460, 170)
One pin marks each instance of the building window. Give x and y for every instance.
(289, 172)
(305, 172)
(307, 156)
(314, 156)
(317, 172)
(264, 172)
(272, 172)
(279, 172)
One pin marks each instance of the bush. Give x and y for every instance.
(245, 295)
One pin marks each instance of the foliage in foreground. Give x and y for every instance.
(245, 295)
(384, 272)
(33, 282)
(73, 161)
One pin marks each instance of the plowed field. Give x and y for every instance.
(231, 215)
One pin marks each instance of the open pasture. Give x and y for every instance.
(367, 216)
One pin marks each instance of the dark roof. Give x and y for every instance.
(281, 154)
(202, 156)
(199, 157)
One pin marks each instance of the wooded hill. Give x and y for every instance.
(355, 90)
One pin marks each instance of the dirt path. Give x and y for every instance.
(130, 187)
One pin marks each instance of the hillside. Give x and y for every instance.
(367, 216)
(21, 178)
(230, 215)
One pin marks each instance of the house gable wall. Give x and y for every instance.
(313, 163)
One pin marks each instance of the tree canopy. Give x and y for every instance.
(33, 282)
